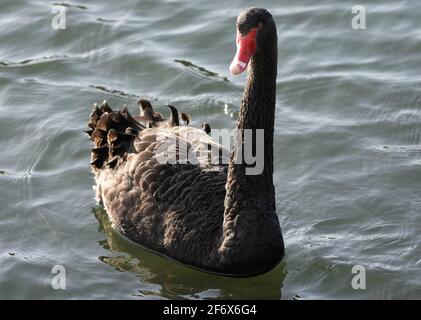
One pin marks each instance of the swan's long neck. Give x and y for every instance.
(250, 193)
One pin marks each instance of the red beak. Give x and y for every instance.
(246, 46)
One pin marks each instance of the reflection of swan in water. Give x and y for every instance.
(170, 280)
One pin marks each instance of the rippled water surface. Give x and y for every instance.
(347, 142)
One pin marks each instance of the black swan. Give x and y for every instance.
(206, 215)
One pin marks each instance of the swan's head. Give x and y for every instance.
(253, 28)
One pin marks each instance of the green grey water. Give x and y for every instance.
(347, 142)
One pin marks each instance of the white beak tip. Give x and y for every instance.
(237, 67)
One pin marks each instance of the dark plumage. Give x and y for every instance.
(104, 107)
(206, 127)
(150, 118)
(197, 211)
(186, 118)
(173, 121)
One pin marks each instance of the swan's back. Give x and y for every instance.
(162, 187)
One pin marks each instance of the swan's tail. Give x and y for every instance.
(113, 133)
